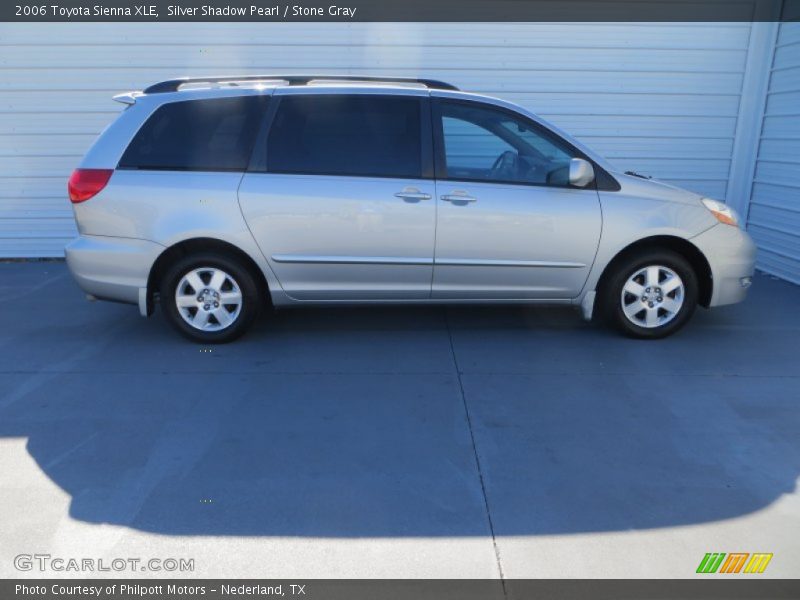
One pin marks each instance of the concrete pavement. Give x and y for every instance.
(397, 442)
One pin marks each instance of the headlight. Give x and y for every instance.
(723, 212)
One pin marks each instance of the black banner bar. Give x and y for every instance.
(397, 10)
(404, 589)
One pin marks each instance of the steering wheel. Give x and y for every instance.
(506, 164)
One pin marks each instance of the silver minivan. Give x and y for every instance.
(214, 197)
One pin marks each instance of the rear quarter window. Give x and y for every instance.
(197, 135)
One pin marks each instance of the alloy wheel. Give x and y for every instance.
(208, 299)
(652, 296)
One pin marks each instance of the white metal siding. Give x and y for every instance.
(662, 99)
(774, 214)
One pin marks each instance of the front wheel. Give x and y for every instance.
(210, 297)
(652, 295)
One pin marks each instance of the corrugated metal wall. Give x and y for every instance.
(662, 99)
(774, 214)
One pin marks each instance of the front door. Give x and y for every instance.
(509, 225)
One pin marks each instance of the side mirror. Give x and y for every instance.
(581, 172)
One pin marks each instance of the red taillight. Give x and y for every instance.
(85, 183)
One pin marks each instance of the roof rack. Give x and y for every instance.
(172, 85)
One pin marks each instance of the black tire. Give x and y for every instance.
(612, 302)
(239, 275)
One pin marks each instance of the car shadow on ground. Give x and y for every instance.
(404, 421)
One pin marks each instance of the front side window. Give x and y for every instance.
(197, 135)
(357, 135)
(482, 143)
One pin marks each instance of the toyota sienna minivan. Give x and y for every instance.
(214, 197)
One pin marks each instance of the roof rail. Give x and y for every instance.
(172, 85)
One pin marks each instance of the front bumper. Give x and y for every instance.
(112, 268)
(732, 257)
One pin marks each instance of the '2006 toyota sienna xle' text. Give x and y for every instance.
(215, 196)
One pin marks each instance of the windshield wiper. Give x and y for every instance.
(639, 175)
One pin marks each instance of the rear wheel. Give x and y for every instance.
(651, 295)
(210, 297)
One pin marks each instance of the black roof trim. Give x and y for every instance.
(172, 85)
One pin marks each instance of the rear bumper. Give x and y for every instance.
(112, 268)
(732, 257)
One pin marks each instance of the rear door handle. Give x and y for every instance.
(412, 195)
(459, 198)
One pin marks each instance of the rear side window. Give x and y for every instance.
(346, 135)
(197, 135)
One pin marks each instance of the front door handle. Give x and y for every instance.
(411, 194)
(459, 198)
